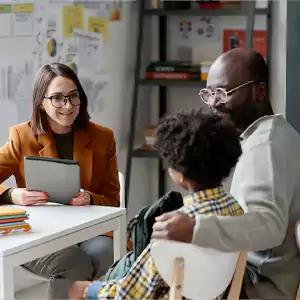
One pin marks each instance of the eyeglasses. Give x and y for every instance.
(59, 100)
(207, 96)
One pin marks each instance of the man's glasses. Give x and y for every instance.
(220, 94)
(60, 100)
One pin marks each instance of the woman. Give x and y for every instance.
(60, 128)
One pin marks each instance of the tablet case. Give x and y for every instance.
(59, 178)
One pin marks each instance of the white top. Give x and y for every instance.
(50, 222)
(267, 181)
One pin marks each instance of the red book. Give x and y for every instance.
(172, 75)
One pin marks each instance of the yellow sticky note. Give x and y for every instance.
(23, 8)
(73, 17)
(98, 25)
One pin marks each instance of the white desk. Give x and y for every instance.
(55, 228)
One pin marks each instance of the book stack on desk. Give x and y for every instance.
(13, 220)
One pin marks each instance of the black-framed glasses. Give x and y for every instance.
(207, 96)
(60, 100)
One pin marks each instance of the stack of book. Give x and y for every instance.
(173, 70)
(13, 219)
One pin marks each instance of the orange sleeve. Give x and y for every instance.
(10, 155)
(109, 194)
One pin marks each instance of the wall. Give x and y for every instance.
(292, 64)
(279, 56)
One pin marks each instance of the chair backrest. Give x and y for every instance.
(207, 272)
(122, 190)
(297, 236)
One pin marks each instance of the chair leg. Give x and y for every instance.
(177, 280)
(237, 280)
(298, 294)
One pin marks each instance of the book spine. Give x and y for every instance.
(173, 75)
(172, 69)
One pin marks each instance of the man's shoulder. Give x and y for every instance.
(268, 129)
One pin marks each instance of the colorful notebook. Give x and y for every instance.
(12, 220)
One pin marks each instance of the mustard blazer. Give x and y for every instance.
(94, 148)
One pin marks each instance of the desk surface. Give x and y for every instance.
(52, 221)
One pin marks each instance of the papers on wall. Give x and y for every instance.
(23, 24)
(98, 25)
(23, 8)
(16, 79)
(96, 88)
(16, 20)
(5, 25)
(89, 66)
(199, 28)
(73, 17)
(89, 50)
(110, 10)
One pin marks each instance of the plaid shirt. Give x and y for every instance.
(143, 280)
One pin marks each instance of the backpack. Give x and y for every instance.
(140, 230)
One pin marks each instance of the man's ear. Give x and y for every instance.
(261, 91)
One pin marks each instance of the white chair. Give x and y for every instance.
(297, 236)
(198, 273)
(31, 286)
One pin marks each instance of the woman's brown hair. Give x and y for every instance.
(39, 124)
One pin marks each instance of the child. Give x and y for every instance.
(200, 150)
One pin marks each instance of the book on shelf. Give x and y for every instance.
(173, 75)
(171, 69)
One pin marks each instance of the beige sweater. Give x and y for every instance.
(267, 181)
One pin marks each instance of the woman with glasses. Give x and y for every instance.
(60, 128)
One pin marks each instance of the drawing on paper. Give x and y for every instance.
(185, 27)
(95, 88)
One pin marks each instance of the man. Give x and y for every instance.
(266, 180)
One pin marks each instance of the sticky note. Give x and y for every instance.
(73, 17)
(23, 8)
(5, 8)
(98, 25)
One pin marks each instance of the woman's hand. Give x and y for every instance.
(23, 197)
(83, 198)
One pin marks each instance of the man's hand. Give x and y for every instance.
(174, 226)
(77, 290)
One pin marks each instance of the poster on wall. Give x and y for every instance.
(203, 28)
(236, 38)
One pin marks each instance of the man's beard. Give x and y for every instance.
(242, 115)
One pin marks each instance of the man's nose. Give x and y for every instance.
(214, 102)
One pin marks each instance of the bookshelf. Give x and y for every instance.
(247, 9)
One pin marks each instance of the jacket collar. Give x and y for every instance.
(81, 153)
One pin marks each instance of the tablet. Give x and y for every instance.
(59, 178)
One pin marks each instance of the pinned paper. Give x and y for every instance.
(98, 25)
(73, 17)
(5, 8)
(23, 8)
